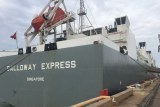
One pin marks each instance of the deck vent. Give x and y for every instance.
(123, 50)
(96, 42)
(34, 49)
(51, 46)
(46, 48)
(20, 51)
(28, 50)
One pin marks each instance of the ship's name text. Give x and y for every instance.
(43, 66)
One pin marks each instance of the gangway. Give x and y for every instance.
(153, 69)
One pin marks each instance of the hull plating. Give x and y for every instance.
(64, 77)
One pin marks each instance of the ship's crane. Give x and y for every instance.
(48, 19)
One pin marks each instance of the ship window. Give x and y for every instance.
(28, 50)
(118, 21)
(144, 44)
(112, 30)
(123, 19)
(98, 30)
(148, 52)
(86, 32)
(146, 61)
(60, 39)
(93, 32)
(115, 25)
(65, 33)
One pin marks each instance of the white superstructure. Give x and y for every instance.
(145, 56)
(118, 37)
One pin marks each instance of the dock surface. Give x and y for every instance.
(138, 97)
(156, 100)
(146, 94)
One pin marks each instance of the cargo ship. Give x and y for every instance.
(75, 66)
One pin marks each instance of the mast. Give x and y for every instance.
(159, 43)
(81, 12)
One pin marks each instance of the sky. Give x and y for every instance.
(16, 15)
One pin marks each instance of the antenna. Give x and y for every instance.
(83, 12)
(159, 37)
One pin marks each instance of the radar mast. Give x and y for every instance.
(81, 12)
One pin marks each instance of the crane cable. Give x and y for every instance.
(13, 64)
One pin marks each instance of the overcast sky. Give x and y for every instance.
(144, 16)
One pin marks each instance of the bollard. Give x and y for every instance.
(104, 92)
